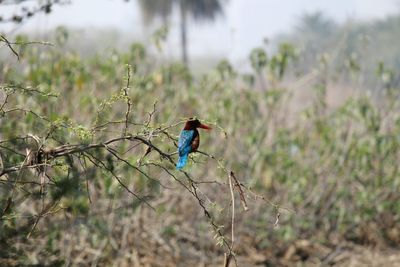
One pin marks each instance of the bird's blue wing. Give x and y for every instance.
(185, 142)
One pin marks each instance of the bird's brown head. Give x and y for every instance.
(194, 123)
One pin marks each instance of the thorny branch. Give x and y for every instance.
(65, 150)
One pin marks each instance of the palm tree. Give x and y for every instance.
(200, 10)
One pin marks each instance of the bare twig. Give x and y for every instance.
(127, 98)
(241, 193)
(228, 256)
(45, 211)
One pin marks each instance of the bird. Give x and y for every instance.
(189, 140)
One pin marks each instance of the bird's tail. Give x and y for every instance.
(182, 161)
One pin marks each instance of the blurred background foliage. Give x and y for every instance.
(361, 45)
(311, 130)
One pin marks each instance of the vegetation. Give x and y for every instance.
(87, 149)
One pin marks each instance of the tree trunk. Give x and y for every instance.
(183, 14)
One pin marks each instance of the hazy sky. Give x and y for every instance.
(243, 26)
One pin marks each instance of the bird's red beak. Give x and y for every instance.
(203, 126)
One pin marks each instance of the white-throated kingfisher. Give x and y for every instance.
(189, 140)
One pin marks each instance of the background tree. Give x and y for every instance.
(200, 10)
